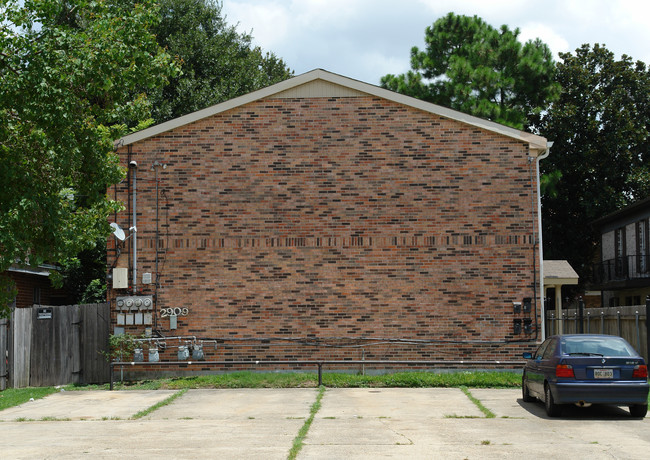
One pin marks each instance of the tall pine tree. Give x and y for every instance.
(472, 67)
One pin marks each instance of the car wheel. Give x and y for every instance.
(639, 410)
(525, 393)
(552, 409)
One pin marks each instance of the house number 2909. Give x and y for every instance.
(178, 311)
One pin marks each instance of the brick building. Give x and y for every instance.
(33, 286)
(323, 216)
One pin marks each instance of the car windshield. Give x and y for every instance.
(596, 346)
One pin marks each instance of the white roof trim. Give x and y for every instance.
(41, 270)
(537, 143)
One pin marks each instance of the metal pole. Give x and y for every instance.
(320, 374)
(647, 327)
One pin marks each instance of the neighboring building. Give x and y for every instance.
(324, 212)
(557, 274)
(33, 286)
(623, 274)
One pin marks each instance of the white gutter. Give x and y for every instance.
(541, 247)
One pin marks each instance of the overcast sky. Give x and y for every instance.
(366, 39)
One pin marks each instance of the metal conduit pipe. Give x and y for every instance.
(134, 228)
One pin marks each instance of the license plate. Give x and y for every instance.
(603, 373)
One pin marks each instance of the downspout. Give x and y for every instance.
(134, 230)
(539, 232)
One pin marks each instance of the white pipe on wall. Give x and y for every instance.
(134, 229)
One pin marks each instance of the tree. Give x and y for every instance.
(601, 155)
(218, 63)
(472, 67)
(73, 77)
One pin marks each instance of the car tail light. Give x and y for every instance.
(640, 371)
(564, 371)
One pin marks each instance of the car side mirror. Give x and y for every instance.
(528, 355)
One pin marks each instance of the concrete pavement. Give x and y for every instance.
(351, 423)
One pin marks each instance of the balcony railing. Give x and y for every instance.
(622, 269)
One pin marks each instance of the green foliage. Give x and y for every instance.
(218, 63)
(95, 292)
(121, 347)
(73, 77)
(601, 156)
(84, 277)
(470, 66)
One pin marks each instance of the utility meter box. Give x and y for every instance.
(120, 278)
(135, 303)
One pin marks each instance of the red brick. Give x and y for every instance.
(342, 221)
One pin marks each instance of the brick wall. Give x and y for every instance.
(26, 284)
(337, 221)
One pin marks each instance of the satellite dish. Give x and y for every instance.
(118, 232)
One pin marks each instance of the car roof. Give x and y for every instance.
(608, 336)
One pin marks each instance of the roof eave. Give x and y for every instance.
(537, 144)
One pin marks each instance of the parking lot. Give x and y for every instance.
(351, 424)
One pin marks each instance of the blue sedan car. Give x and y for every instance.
(586, 369)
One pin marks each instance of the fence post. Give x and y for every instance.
(552, 323)
(581, 314)
(4, 342)
(638, 331)
(647, 325)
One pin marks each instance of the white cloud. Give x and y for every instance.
(555, 41)
(270, 22)
(366, 39)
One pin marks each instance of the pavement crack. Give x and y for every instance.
(397, 433)
(299, 440)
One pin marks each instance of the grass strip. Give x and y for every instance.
(487, 412)
(16, 396)
(158, 405)
(298, 442)
(248, 379)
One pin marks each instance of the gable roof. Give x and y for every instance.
(631, 212)
(320, 83)
(559, 272)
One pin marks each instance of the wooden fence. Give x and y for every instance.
(4, 336)
(56, 345)
(627, 322)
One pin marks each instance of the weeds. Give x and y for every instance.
(300, 438)
(157, 406)
(487, 412)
